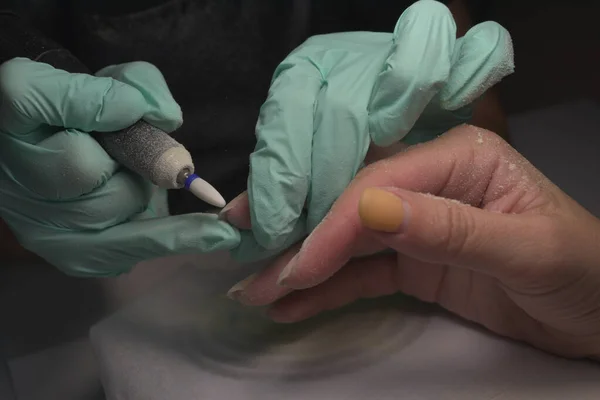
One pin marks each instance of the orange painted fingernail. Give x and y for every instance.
(381, 210)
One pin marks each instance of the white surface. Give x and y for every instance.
(44, 323)
(65, 372)
(186, 341)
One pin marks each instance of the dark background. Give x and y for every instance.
(557, 50)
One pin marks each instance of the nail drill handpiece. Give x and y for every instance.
(142, 148)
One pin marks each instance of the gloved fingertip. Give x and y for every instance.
(486, 56)
(169, 118)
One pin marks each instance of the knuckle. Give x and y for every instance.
(482, 139)
(177, 117)
(459, 229)
(487, 32)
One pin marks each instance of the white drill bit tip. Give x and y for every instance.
(204, 191)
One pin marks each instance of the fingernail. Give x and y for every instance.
(223, 215)
(236, 290)
(382, 211)
(287, 271)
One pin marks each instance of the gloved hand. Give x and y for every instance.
(63, 196)
(337, 94)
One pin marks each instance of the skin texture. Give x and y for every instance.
(503, 247)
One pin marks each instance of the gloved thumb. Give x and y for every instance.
(444, 231)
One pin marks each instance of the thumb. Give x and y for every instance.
(445, 231)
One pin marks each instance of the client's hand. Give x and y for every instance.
(504, 247)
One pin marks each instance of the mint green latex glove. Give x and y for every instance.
(336, 94)
(63, 196)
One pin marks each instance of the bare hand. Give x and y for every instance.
(474, 227)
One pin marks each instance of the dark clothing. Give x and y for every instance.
(217, 56)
